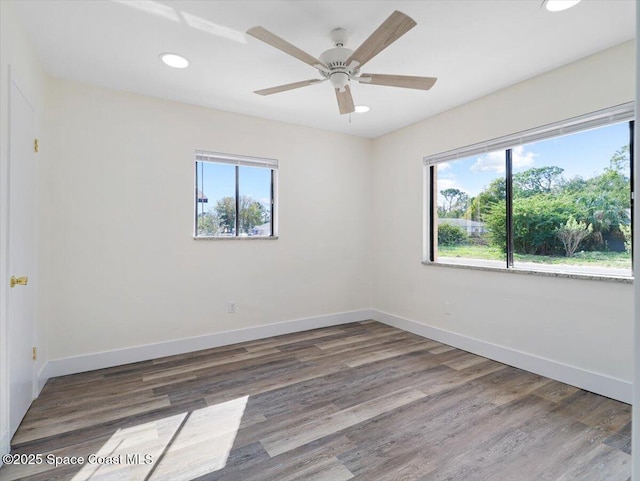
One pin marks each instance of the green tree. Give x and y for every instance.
(225, 210)
(537, 180)
(604, 201)
(543, 201)
(620, 161)
(535, 220)
(455, 203)
(604, 212)
(208, 224)
(481, 205)
(574, 186)
(252, 213)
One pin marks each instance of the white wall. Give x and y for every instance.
(119, 261)
(580, 323)
(15, 52)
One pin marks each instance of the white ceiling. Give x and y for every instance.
(474, 47)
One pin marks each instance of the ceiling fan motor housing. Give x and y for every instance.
(339, 72)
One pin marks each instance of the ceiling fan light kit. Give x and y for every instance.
(341, 65)
(334, 61)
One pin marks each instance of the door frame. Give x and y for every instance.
(4, 273)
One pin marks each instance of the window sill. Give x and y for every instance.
(234, 238)
(549, 273)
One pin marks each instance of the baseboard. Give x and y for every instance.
(575, 376)
(100, 360)
(41, 379)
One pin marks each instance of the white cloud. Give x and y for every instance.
(491, 162)
(444, 166)
(449, 181)
(444, 184)
(494, 161)
(520, 158)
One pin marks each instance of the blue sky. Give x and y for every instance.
(584, 154)
(218, 181)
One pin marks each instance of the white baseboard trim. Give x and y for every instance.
(41, 379)
(575, 376)
(100, 360)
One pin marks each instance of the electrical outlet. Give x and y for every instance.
(232, 308)
(447, 308)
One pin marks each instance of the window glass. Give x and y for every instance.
(471, 192)
(216, 203)
(569, 209)
(255, 201)
(234, 200)
(572, 204)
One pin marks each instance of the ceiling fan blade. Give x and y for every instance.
(283, 88)
(404, 81)
(281, 44)
(345, 100)
(391, 30)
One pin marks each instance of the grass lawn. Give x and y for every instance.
(605, 259)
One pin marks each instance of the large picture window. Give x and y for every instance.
(235, 196)
(560, 203)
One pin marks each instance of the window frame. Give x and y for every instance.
(238, 161)
(601, 118)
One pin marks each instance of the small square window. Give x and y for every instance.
(235, 196)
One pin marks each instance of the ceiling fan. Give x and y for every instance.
(340, 65)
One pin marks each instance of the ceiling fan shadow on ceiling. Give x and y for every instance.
(341, 65)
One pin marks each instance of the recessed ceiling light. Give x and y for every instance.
(559, 5)
(361, 109)
(174, 60)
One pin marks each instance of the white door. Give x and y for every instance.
(22, 255)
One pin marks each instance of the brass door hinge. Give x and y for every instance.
(35, 145)
(35, 353)
(18, 281)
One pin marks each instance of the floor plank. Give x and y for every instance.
(361, 401)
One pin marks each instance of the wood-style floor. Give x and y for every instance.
(361, 401)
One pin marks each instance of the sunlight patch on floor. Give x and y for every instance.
(175, 448)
